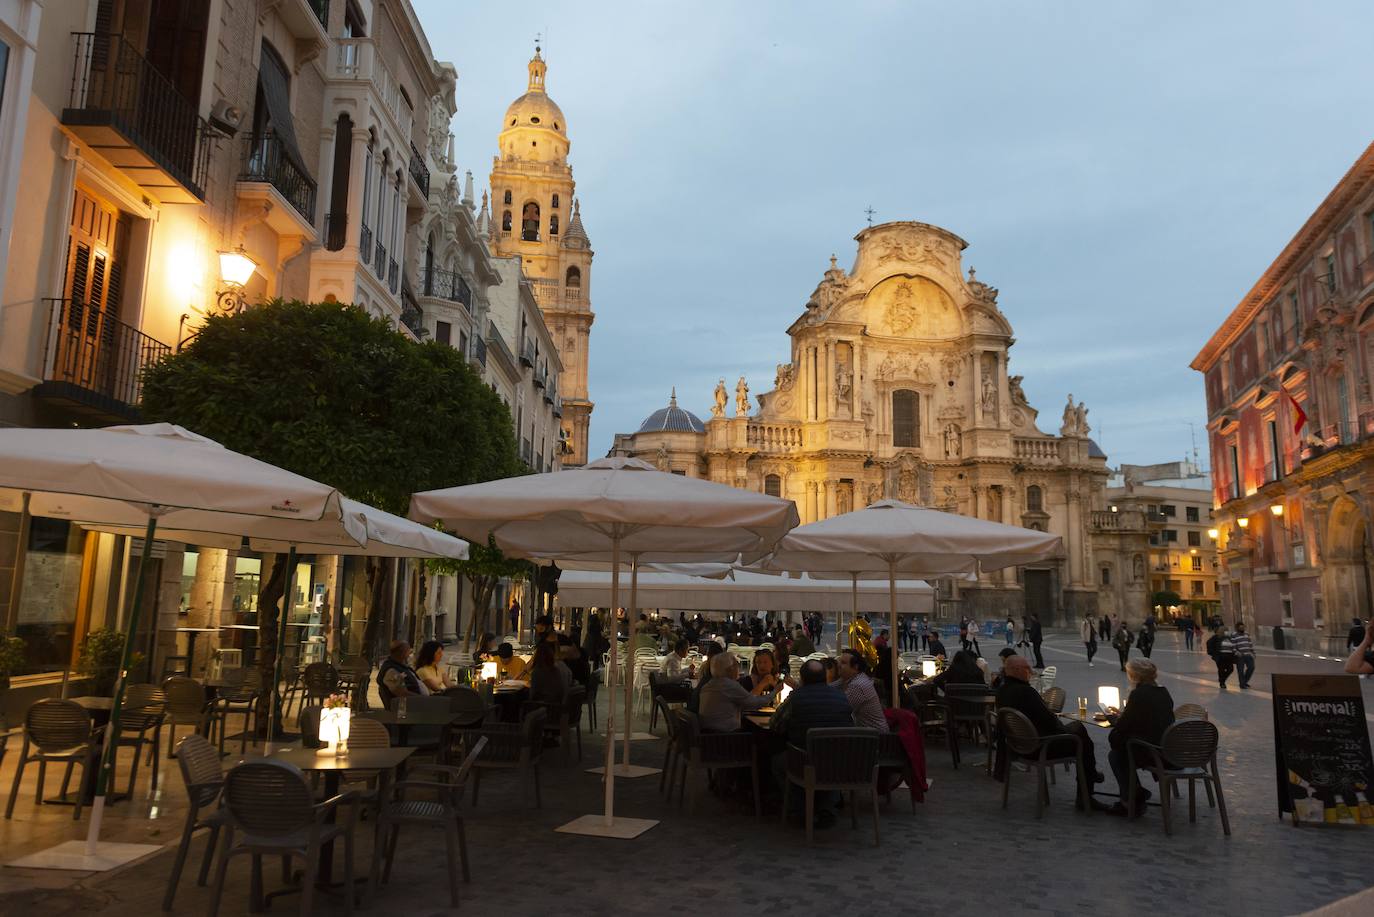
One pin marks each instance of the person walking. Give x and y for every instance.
(1088, 631)
(1223, 653)
(1244, 648)
(1104, 629)
(973, 638)
(1121, 641)
(1034, 634)
(963, 633)
(1010, 629)
(1146, 642)
(923, 629)
(1188, 627)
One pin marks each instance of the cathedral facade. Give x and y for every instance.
(898, 387)
(535, 214)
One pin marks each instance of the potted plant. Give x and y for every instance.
(101, 654)
(12, 658)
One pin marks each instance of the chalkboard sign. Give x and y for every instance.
(1325, 770)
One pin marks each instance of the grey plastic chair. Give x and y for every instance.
(204, 778)
(186, 706)
(1187, 751)
(270, 810)
(57, 732)
(1054, 699)
(140, 724)
(716, 751)
(318, 681)
(239, 700)
(1041, 753)
(843, 758)
(440, 812)
(511, 746)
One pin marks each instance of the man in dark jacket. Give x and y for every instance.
(1036, 638)
(1017, 693)
(1149, 711)
(813, 705)
(1223, 653)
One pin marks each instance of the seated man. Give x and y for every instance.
(812, 705)
(937, 646)
(851, 676)
(395, 677)
(512, 665)
(1149, 711)
(675, 663)
(723, 698)
(1017, 693)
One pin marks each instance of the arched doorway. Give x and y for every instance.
(1345, 569)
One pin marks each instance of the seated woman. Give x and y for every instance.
(763, 674)
(962, 670)
(549, 677)
(1148, 712)
(486, 648)
(575, 660)
(428, 665)
(512, 665)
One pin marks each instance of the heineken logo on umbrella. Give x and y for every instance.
(286, 506)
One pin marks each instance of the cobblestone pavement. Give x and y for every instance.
(959, 854)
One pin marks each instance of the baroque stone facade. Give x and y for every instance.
(898, 387)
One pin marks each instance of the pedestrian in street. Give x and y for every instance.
(1146, 641)
(973, 639)
(1011, 630)
(1188, 627)
(1244, 648)
(1021, 638)
(923, 628)
(1122, 641)
(963, 633)
(1035, 636)
(515, 616)
(1223, 653)
(1104, 630)
(1088, 631)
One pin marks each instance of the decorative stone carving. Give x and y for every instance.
(1081, 418)
(950, 366)
(1075, 419)
(981, 291)
(953, 441)
(1018, 395)
(906, 485)
(844, 499)
(742, 406)
(875, 493)
(661, 458)
(989, 399)
(722, 399)
(844, 383)
(784, 378)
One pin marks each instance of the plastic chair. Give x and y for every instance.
(204, 778)
(185, 707)
(1190, 712)
(843, 758)
(565, 718)
(441, 812)
(672, 748)
(966, 706)
(239, 700)
(270, 810)
(716, 751)
(1054, 699)
(57, 732)
(1041, 752)
(319, 680)
(140, 724)
(512, 746)
(1187, 751)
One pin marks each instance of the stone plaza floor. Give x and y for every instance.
(959, 854)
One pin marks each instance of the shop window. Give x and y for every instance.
(46, 618)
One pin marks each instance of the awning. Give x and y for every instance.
(745, 592)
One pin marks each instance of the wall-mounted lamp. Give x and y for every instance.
(1213, 534)
(1243, 522)
(1276, 509)
(235, 270)
(1113, 509)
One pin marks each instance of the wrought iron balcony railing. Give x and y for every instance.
(266, 159)
(448, 285)
(364, 243)
(95, 361)
(418, 170)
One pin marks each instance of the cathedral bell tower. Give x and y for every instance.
(536, 216)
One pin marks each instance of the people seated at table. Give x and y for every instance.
(851, 671)
(813, 705)
(962, 670)
(763, 677)
(575, 660)
(674, 665)
(713, 649)
(549, 677)
(396, 678)
(801, 643)
(1148, 712)
(1016, 692)
(832, 670)
(723, 699)
(937, 646)
(543, 630)
(486, 648)
(510, 665)
(430, 669)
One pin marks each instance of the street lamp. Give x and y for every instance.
(1243, 522)
(1213, 534)
(235, 270)
(1276, 509)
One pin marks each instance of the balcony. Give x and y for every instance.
(527, 355)
(1036, 451)
(393, 275)
(557, 406)
(448, 285)
(572, 294)
(357, 59)
(336, 231)
(498, 343)
(551, 392)
(1127, 521)
(379, 262)
(267, 161)
(95, 362)
(321, 10)
(411, 315)
(540, 378)
(478, 355)
(419, 172)
(364, 241)
(133, 116)
(773, 437)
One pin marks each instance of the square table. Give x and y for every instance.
(1092, 719)
(402, 725)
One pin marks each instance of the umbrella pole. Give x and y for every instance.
(112, 733)
(287, 594)
(631, 616)
(892, 630)
(610, 679)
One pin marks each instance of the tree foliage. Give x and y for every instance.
(1166, 598)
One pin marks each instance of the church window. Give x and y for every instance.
(554, 205)
(534, 119)
(1035, 500)
(505, 221)
(529, 222)
(506, 200)
(573, 277)
(772, 485)
(1106, 575)
(553, 225)
(906, 418)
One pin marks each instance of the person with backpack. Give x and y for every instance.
(1088, 631)
(1223, 653)
(1122, 642)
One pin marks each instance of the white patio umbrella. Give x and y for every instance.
(161, 474)
(603, 513)
(891, 537)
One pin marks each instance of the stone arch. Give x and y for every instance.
(1345, 563)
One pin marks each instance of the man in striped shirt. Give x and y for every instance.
(1245, 655)
(851, 671)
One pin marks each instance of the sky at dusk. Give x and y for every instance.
(1122, 172)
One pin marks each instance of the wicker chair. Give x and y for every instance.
(59, 732)
(1190, 712)
(239, 700)
(270, 810)
(1054, 699)
(185, 707)
(1041, 752)
(1187, 751)
(673, 748)
(319, 680)
(966, 707)
(843, 758)
(440, 812)
(511, 746)
(204, 778)
(140, 724)
(715, 751)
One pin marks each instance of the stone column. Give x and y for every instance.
(358, 162)
(831, 509)
(827, 374)
(809, 507)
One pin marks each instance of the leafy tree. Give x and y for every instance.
(326, 391)
(1166, 598)
(485, 567)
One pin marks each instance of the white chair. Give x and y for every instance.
(1045, 680)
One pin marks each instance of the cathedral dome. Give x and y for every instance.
(535, 108)
(672, 419)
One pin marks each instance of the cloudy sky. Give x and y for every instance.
(1122, 172)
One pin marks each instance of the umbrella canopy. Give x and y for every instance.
(584, 512)
(601, 513)
(745, 591)
(892, 537)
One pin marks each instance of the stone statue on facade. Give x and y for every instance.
(722, 399)
(843, 501)
(844, 380)
(989, 394)
(742, 406)
(661, 459)
(906, 485)
(953, 441)
(783, 380)
(1069, 427)
(1081, 419)
(1018, 395)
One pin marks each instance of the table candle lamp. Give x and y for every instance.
(1109, 696)
(334, 727)
(928, 668)
(488, 670)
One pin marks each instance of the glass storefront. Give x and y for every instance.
(46, 618)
